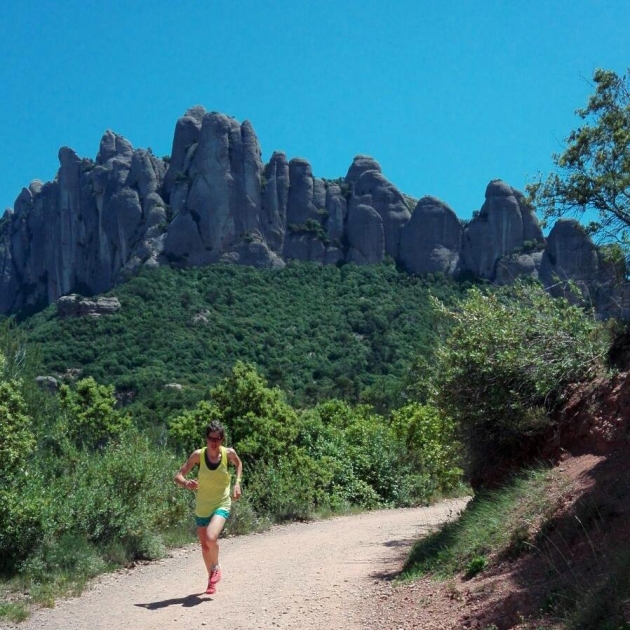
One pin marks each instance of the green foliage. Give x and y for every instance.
(16, 432)
(475, 565)
(327, 458)
(257, 418)
(593, 172)
(323, 436)
(122, 494)
(186, 431)
(293, 487)
(97, 491)
(244, 519)
(90, 414)
(317, 332)
(20, 525)
(505, 365)
(312, 228)
(485, 529)
(430, 442)
(374, 461)
(69, 557)
(14, 611)
(603, 606)
(19, 519)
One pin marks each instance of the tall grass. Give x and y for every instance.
(496, 524)
(588, 579)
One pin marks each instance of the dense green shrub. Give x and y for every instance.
(430, 444)
(376, 461)
(294, 486)
(17, 440)
(257, 417)
(19, 518)
(121, 496)
(186, 431)
(91, 419)
(505, 365)
(258, 420)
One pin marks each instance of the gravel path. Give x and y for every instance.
(315, 575)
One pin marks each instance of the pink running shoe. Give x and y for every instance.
(215, 577)
(212, 589)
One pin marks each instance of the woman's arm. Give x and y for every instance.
(233, 458)
(187, 466)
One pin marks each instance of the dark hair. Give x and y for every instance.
(215, 427)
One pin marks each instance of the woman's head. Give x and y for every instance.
(215, 432)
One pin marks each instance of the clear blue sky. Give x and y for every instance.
(445, 95)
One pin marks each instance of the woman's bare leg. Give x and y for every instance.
(208, 538)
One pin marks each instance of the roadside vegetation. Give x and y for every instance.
(502, 373)
(87, 471)
(498, 524)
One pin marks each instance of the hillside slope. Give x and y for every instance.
(578, 551)
(315, 331)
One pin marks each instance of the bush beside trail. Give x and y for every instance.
(504, 368)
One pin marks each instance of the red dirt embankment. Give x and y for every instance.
(591, 523)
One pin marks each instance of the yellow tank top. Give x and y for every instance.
(214, 486)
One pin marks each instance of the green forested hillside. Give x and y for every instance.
(317, 332)
(455, 380)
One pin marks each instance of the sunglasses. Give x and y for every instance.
(213, 439)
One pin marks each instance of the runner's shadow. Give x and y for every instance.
(404, 542)
(185, 602)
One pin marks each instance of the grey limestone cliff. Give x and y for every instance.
(214, 200)
(431, 241)
(572, 261)
(80, 231)
(504, 225)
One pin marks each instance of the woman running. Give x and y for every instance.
(213, 500)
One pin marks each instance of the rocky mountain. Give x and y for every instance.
(215, 200)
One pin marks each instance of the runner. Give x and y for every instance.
(213, 500)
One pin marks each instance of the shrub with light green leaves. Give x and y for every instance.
(258, 420)
(292, 487)
(505, 365)
(257, 417)
(91, 419)
(186, 431)
(19, 518)
(430, 444)
(122, 495)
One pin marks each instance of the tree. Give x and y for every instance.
(593, 172)
(90, 413)
(504, 367)
(259, 422)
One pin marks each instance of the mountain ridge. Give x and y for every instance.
(214, 200)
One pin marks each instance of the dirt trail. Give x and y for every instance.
(307, 575)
